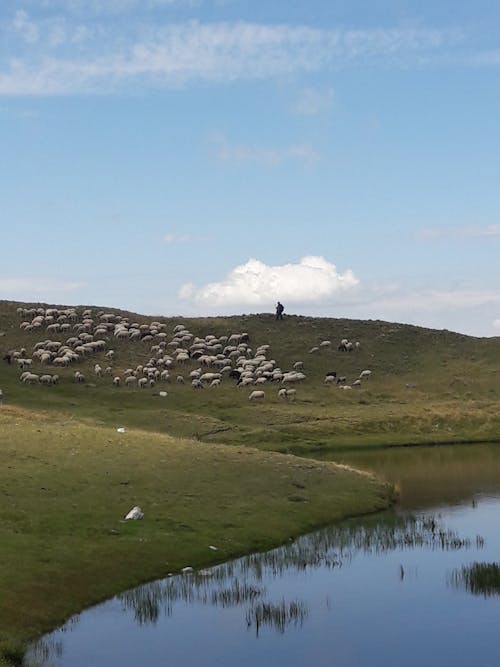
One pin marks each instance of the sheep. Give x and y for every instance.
(291, 394)
(79, 377)
(116, 381)
(364, 375)
(329, 379)
(257, 395)
(197, 384)
(46, 379)
(130, 380)
(98, 370)
(282, 393)
(215, 382)
(31, 378)
(313, 349)
(356, 383)
(180, 379)
(298, 365)
(142, 383)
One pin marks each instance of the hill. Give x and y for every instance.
(425, 386)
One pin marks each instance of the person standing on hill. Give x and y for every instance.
(279, 311)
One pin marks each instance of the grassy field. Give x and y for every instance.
(209, 467)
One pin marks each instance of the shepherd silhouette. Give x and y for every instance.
(279, 311)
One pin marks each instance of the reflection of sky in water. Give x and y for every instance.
(368, 594)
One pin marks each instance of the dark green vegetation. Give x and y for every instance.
(479, 579)
(67, 477)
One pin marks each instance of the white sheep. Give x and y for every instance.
(257, 395)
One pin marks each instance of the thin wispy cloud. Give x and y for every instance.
(64, 55)
(313, 101)
(171, 238)
(225, 151)
(257, 284)
(432, 300)
(30, 289)
(459, 232)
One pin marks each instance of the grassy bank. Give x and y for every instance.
(66, 486)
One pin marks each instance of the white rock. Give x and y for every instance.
(135, 513)
(121, 430)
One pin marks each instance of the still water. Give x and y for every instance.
(385, 591)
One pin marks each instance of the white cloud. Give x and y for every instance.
(111, 54)
(36, 289)
(459, 232)
(256, 284)
(28, 30)
(313, 101)
(496, 324)
(432, 300)
(170, 237)
(227, 152)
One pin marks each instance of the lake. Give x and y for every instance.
(387, 590)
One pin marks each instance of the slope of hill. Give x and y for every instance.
(425, 385)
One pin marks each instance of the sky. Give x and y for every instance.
(209, 157)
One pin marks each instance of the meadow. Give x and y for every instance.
(209, 467)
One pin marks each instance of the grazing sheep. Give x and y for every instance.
(116, 381)
(130, 380)
(30, 378)
(282, 393)
(364, 375)
(142, 383)
(79, 377)
(180, 379)
(298, 365)
(291, 394)
(257, 395)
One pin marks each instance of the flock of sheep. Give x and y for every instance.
(171, 357)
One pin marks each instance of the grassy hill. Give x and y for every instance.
(200, 462)
(426, 386)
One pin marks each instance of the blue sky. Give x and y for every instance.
(206, 157)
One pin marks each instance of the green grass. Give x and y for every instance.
(66, 487)
(209, 467)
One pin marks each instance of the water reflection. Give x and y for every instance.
(430, 476)
(478, 579)
(240, 583)
(384, 571)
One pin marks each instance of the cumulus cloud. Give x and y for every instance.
(254, 283)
